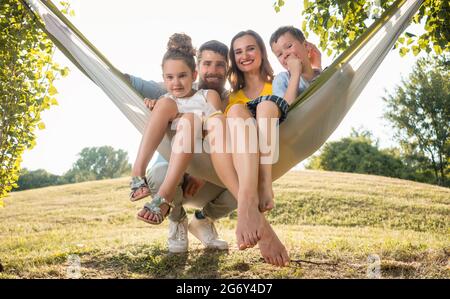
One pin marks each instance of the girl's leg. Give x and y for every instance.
(267, 114)
(165, 111)
(244, 146)
(179, 160)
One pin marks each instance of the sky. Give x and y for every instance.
(133, 35)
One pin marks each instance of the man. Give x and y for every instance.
(215, 202)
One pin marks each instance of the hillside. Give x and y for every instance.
(334, 219)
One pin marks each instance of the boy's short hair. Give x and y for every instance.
(215, 46)
(296, 33)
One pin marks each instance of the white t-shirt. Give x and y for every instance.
(194, 104)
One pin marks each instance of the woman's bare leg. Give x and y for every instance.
(221, 158)
(271, 248)
(267, 114)
(245, 154)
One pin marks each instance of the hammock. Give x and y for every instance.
(312, 118)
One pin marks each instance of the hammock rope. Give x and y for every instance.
(313, 117)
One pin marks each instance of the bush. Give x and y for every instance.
(37, 179)
(359, 153)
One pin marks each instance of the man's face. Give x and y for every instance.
(288, 45)
(212, 70)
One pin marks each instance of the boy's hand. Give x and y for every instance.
(315, 56)
(192, 186)
(294, 65)
(150, 103)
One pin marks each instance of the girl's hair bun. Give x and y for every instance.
(181, 42)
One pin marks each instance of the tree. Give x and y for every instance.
(97, 163)
(339, 22)
(359, 153)
(37, 179)
(419, 111)
(27, 73)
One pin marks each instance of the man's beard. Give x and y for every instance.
(217, 86)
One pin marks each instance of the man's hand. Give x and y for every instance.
(192, 185)
(150, 103)
(315, 56)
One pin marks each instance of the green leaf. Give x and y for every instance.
(351, 35)
(403, 51)
(304, 23)
(329, 24)
(53, 101)
(41, 126)
(50, 76)
(64, 72)
(306, 4)
(329, 52)
(52, 91)
(437, 49)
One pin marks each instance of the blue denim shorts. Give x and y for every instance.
(279, 101)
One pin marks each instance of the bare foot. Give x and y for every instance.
(249, 224)
(271, 248)
(266, 195)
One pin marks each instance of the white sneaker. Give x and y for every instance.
(178, 236)
(205, 231)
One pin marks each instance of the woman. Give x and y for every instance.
(250, 78)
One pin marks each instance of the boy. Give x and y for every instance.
(301, 59)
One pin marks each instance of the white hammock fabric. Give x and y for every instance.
(310, 122)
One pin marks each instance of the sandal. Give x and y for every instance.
(154, 207)
(138, 183)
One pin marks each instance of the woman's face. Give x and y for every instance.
(247, 54)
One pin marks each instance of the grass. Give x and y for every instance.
(330, 222)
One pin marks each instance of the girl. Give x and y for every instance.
(182, 105)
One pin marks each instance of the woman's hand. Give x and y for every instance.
(150, 103)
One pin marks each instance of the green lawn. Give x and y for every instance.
(334, 219)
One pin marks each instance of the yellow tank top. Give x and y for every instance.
(239, 97)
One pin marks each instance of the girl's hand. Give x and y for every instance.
(150, 103)
(315, 56)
